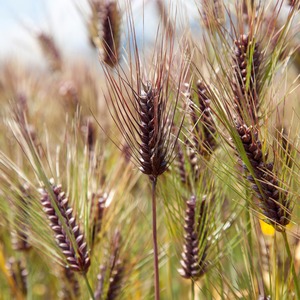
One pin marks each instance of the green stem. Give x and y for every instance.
(154, 237)
(288, 250)
(193, 289)
(88, 286)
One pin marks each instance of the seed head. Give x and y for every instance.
(76, 252)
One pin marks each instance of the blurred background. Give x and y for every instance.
(64, 20)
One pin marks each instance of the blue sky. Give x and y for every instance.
(19, 19)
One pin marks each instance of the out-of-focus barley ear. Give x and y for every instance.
(97, 213)
(100, 284)
(110, 31)
(50, 50)
(20, 238)
(69, 95)
(250, 8)
(265, 248)
(213, 12)
(246, 81)
(193, 160)
(194, 254)
(273, 200)
(203, 129)
(116, 268)
(208, 132)
(20, 108)
(261, 297)
(286, 149)
(193, 143)
(18, 273)
(71, 287)
(126, 150)
(297, 256)
(93, 22)
(89, 132)
(294, 3)
(279, 40)
(165, 17)
(116, 272)
(32, 134)
(180, 162)
(68, 236)
(116, 280)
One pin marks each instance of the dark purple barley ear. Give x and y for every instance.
(71, 287)
(180, 163)
(203, 128)
(18, 273)
(97, 213)
(245, 85)
(99, 291)
(274, 203)
(193, 264)
(116, 269)
(75, 252)
(153, 152)
(208, 133)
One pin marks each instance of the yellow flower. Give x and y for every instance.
(266, 228)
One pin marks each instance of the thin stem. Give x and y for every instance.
(193, 289)
(88, 286)
(154, 237)
(9, 278)
(288, 250)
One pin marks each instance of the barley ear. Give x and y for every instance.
(68, 236)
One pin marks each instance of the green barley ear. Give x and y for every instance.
(77, 257)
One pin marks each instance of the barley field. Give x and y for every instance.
(166, 166)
